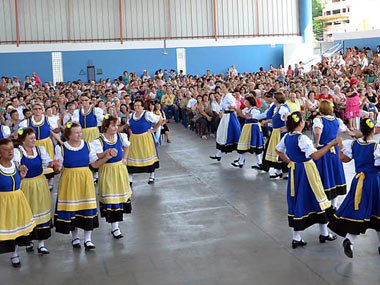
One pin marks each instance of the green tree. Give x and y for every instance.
(317, 25)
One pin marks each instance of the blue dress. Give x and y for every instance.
(360, 209)
(76, 201)
(329, 166)
(271, 159)
(252, 138)
(306, 201)
(113, 204)
(228, 132)
(143, 155)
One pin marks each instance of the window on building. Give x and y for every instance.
(344, 10)
(328, 13)
(56, 58)
(328, 24)
(337, 11)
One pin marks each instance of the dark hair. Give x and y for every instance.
(5, 141)
(293, 121)
(107, 122)
(365, 128)
(25, 132)
(251, 101)
(280, 97)
(67, 131)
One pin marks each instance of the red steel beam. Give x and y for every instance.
(17, 27)
(215, 31)
(121, 21)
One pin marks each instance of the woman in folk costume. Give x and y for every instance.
(360, 209)
(16, 218)
(35, 186)
(43, 128)
(114, 189)
(307, 201)
(143, 156)
(271, 158)
(229, 129)
(251, 138)
(326, 128)
(76, 201)
(89, 118)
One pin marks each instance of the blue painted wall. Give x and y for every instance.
(114, 62)
(219, 59)
(21, 64)
(360, 43)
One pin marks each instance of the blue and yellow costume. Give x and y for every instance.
(271, 158)
(329, 165)
(37, 193)
(360, 209)
(89, 125)
(76, 202)
(43, 137)
(16, 218)
(307, 200)
(251, 139)
(142, 156)
(114, 189)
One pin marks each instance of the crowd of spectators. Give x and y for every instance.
(348, 79)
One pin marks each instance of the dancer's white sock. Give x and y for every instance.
(151, 175)
(41, 243)
(74, 234)
(351, 237)
(87, 236)
(296, 235)
(130, 175)
(323, 230)
(259, 159)
(334, 202)
(242, 158)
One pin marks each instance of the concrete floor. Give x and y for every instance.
(202, 223)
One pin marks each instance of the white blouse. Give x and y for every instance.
(58, 152)
(53, 123)
(8, 170)
(347, 149)
(97, 146)
(97, 111)
(304, 143)
(149, 116)
(317, 123)
(228, 101)
(255, 113)
(283, 111)
(6, 131)
(44, 155)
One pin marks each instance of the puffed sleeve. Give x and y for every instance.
(92, 156)
(6, 131)
(44, 155)
(76, 116)
(23, 124)
(376, 154)
(283, 112)
(378, 121)
(255, 114)
(281, 146)
(231, 100)
(306, 145)
(99, 115)
(347, 148)
(153, 118)
(245, 111)
(17, 156)
(97, 146)
(124, 140)
(317, 123)
(58, 154)
(342, 126)
(53, 122)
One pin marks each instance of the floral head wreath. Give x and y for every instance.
(370, 123)
(69, 125)
(20, 131)
(296, 119)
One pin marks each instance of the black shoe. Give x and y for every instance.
(297, 243)
(256, 167)
(329, 237)
(43, 250)
(236, 160)
(274, 176)
(378, 249)
(30, 247)
(151, 180)
(88, 245)
(236, 164)
(119, 236)
(285, 177)
(75, 244)
(218, 158)
(15, 261)
(347, 248)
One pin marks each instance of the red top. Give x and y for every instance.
(325, 97)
